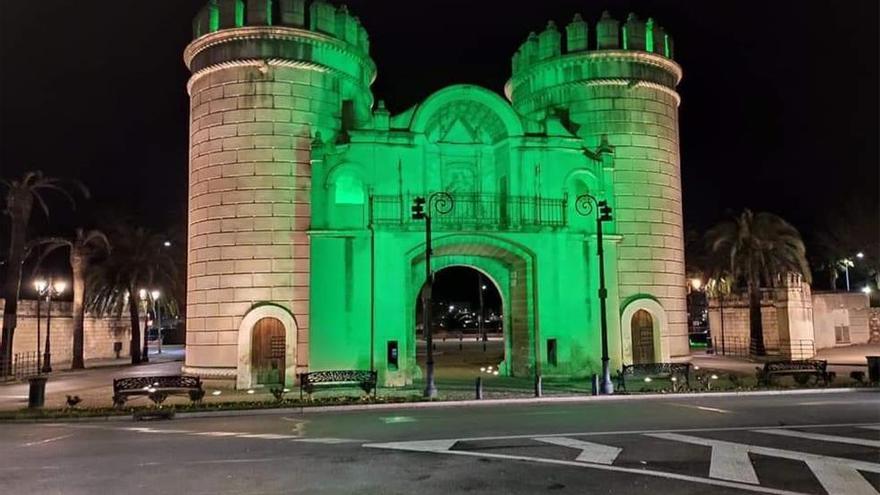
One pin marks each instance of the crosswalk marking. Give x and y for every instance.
(590, 452)
(821, 437)
(836, 475)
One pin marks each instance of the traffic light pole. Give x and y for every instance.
(441, 203)
(427, 327)
(584, 205)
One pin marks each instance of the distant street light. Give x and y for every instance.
(167, 243)
(696, 283)
(866, 289)
(860, 255)
(157, 322)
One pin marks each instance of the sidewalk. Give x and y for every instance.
(841, 360)
(94, 385)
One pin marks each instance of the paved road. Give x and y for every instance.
(784, 444)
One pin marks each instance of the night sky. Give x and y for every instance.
(779, 113)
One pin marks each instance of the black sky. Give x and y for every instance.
(779, 112)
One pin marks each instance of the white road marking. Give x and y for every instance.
(328, 440)
(397, 419)
(154, 430)
(823, 438)
(837, 475)
(590, 452)
(267, 436)
(48, 440)
(713, 409)
(417, 446)
(217, 434)
(443, 446)
(672, 430)
(872, 427)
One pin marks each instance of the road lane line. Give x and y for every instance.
(328, 440)
(590, 452)
(836, 474)
(443, 446)
(216, 434)
(48, 440)
(823, 438)
(871, 427)
(267, 436)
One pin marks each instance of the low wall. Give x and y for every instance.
(99, 333)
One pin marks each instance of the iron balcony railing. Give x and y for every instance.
(476, 211)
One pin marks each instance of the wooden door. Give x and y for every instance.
(642, 337)
(268, 352)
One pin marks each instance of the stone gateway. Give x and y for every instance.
(303, 255)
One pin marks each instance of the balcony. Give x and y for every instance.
(474, 212)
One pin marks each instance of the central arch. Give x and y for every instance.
(509, 267)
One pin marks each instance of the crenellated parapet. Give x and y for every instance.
(548, 63)
(315, 15)
(635, 34)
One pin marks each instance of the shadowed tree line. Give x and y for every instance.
(108, 265)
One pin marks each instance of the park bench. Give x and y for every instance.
(308, 382)
(800, 370)
(655, 371)
(157, 388)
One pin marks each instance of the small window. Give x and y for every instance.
(841, 335)
(349, 190)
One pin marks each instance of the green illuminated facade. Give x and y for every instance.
(302, 252)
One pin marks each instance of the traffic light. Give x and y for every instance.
(604, 212)
(418, 208)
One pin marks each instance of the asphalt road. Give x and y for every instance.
(805, 443)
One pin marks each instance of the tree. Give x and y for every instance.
(18, 206)
(759, 247)
(139, 260)
(84, 246)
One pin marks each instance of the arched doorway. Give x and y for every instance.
(642, 328)
(268, 350)
(468, 323)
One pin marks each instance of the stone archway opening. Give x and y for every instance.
(642, 328)
(468, 324)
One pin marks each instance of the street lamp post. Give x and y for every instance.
(157, 320)
(584, 206)
(40, 285)
(440, 203)
(145, 352)
(53, 288)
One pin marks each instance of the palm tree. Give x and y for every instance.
(84, 246)
(139, 260)
(759, 247)
(18, 206)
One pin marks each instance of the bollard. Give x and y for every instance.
(538, 386)
(873, 369)
(460, 341)
(37, 392)
(595, 384)
(479, 388)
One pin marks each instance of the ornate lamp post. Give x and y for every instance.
(148, 298)
(584, 205)
(52, 289)
(157, 321)
(440, 203)
(40, 285)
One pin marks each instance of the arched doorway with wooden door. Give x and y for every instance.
(268, 352)
(267, 348)
(642, 328)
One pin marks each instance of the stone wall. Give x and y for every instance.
(840, 318)
(100, 333)
(795, 320)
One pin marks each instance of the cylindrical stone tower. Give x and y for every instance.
(268, 77)
(619, 82)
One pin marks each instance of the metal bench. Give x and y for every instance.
(157, 388)
(800, 370)
(366, 380)
(655, 371)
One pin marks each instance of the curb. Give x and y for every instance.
(455, 403)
